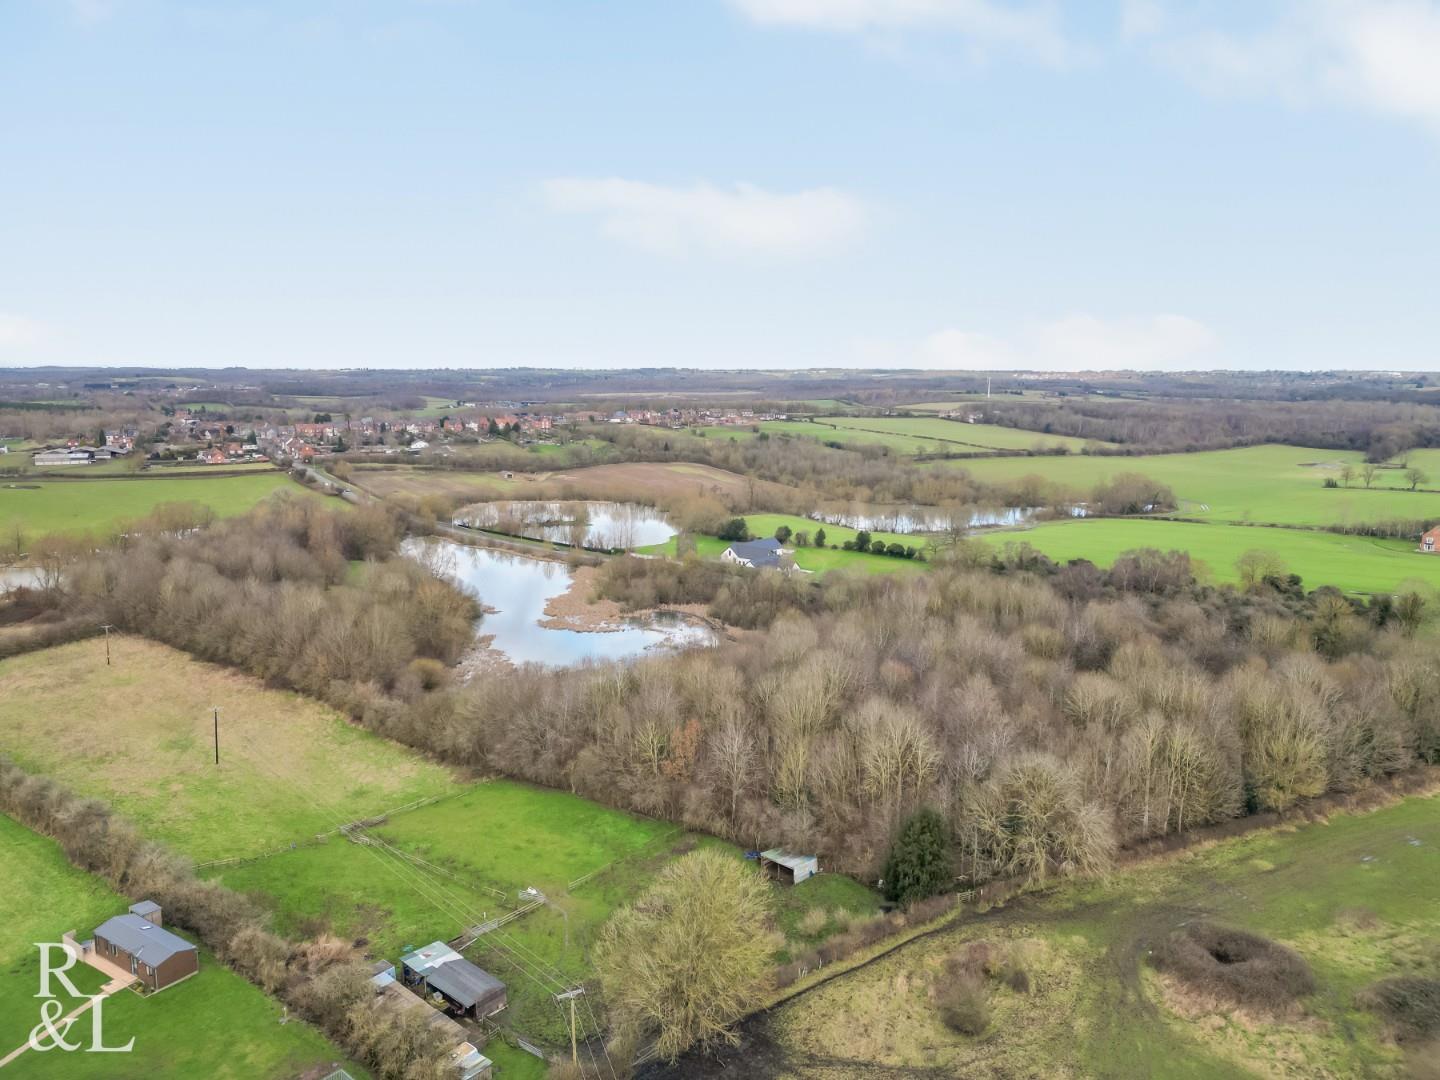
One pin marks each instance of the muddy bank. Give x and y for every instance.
(579, 608)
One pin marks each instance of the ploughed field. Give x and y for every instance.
(1353, 895)
(214, 1024)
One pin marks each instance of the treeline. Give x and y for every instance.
(1048, 713)
(1380, 429)
(1047, 720)
(278, 593)
(325, 981)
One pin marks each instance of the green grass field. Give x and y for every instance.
(1354, 895)
(214, 1025)
(903, 435)
(138, 735)
(1351, 563)
(69, 506)
(470, 858)
(1279, 484)
(815, 560)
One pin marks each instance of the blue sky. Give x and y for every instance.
(720, 183)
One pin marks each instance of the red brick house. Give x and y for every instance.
(139, 943)
(1430, 540)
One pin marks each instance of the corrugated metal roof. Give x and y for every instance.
(450, 973)
(142, 940)
(784, 858)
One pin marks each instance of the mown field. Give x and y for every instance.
(1279, 484)
(213, 1025)
(46, 506)
(1351, 563)
(139, 735)
(1355, 896)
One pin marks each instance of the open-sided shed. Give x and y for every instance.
(468, 990)
(788, 869)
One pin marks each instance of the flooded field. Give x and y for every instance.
(515, 590)
(603, 526)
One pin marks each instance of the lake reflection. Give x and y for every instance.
(602, 525)
(518, 589)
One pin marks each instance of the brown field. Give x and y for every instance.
(630, 481)
(140, 736)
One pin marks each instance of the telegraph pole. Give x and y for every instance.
(570, 996)
(107, 628)
(217, 736)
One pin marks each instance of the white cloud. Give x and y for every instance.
(17, 332)
(1376, 54)
(1030, 28)
(743, 220)
(1079, 342)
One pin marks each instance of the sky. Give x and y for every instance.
(944, 184)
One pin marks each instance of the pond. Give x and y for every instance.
(517, 589)
(15, 577)
(922, 519)
(602, 525)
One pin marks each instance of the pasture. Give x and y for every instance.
(444, 867)
(73, 506)
(903, 435)
(1354, 895)
(1351, 563)
(1275, 484)
(139, 735)
(815, 560)
(214, 1025)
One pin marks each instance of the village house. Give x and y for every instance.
(755, 554)
(139, 943)
(213, 456)
(465, 990)
(1430, 540)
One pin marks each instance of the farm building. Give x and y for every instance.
(467, 990)
(469, 1062)
(1430, 540)
(138, 942)
(754, 553)
(788, 869)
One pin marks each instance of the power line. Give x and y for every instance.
(433, 891)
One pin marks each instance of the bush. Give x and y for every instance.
(813, 922)
(734, 529)
(1409, 1005)
(964, 1004)
(1234, 964)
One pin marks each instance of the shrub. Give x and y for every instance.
(1234, 964)
(964, 1004)
(1409, 1005)
(734, 529)
(813, 922)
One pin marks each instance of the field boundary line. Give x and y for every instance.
(315, 839)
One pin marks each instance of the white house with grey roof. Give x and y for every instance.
(755, 554)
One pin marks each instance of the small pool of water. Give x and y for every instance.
(16, 577)
(601, 525)
(517, 588)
